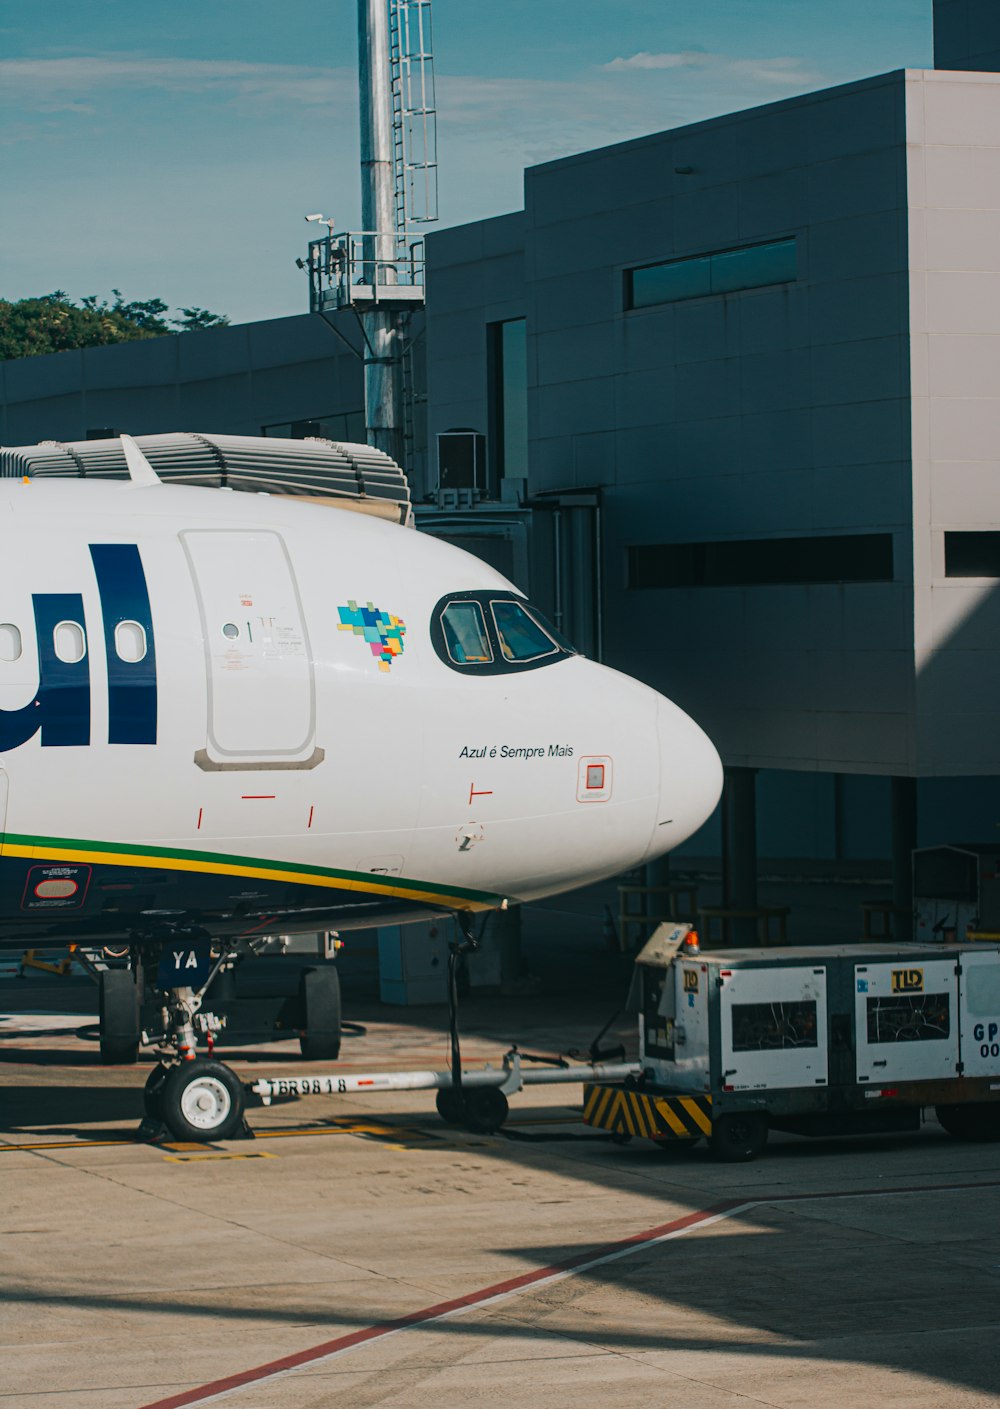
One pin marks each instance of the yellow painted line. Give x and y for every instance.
(221, 1154)
(228, 868)
(65, 1145)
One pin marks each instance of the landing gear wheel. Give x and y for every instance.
(737, 1139)
(202, 1100)
(153, 1090)
(319, 1002)
(620, 1137)
(119, 1017)
(450, 1104)
(978, 1121)
(486, 1109)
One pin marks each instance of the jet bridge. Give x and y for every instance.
(333, 473)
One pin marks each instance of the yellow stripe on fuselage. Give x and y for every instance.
(228, 868)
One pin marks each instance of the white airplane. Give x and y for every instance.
(226, 714)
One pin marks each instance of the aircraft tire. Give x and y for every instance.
(202, 1101)
(319, 999)
(451, 1105)
(738, 1139)
(119, 1017)
(486, 1109)
(153, 1090)
(978, 1121)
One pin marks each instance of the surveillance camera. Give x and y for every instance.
(317, 216)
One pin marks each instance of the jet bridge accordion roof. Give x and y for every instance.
(359, 475)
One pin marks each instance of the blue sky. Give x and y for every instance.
(172, 150)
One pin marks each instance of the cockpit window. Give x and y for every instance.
(465, 635)
(520, 636)
(494, 633)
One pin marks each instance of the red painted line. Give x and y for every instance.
(474, 792)
(201, 813)
(445, 1308)
(310, 822)
(582, 1262)
(259, 797)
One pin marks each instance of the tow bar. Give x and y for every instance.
(480, 1101)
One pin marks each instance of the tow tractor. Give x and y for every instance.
(831, 1040)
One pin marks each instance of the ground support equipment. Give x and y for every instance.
(825, 1040)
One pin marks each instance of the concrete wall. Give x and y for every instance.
(231, 380)
(475, 276)
(966, 34)
(779, 411)
(953, 161)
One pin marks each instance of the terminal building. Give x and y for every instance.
(726, 401)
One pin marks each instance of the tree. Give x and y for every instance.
(54, 323)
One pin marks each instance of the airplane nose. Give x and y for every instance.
(690, 778)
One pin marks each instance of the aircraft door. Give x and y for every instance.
(260, 676)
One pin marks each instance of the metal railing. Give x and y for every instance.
(365, 268)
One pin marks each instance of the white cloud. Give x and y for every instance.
(46, 84)
(781, 70)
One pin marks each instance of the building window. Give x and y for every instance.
(348, 426)
(726, 272)
(841, 557)
(974, 554)
(507, 370)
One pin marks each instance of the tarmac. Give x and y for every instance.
(360, 1252)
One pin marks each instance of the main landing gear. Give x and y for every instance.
(481, 1108)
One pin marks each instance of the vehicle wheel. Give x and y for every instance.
(674, 1146)
(153, 1090)
(486, 1109)
(980, 1120)
(451, 1105)
(736, 1139)
(202, 1100)
(119, 1017)
(620, 1137)
(319, 1000)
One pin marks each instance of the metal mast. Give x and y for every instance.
(378, 272)
(383, 334)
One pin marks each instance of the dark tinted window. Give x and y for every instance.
(727, 271)
(972, 554)
(841, 557)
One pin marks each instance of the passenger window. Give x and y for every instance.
(521, 638)
(465, 633)
(69, 642)
(130, 642)
(10, 641)
(230, 631)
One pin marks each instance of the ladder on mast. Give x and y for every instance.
(414, 114)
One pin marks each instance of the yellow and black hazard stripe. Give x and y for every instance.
(627, 1112)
